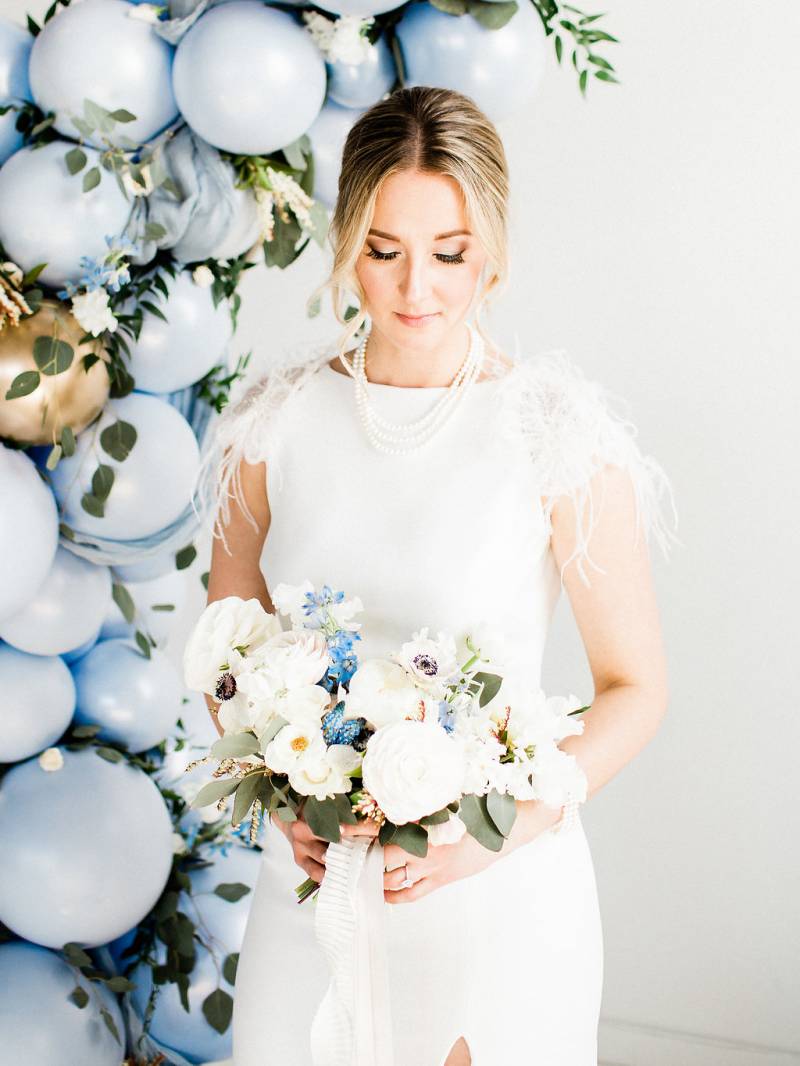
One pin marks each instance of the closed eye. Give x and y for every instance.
(373, 253)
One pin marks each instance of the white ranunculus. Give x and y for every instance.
(293, 744)
(224, 626)
(449, 832)
(93, 313)
(203, 276)
(51, 759)
(383, 692)
(413, 769)
(325, 774)
(430, 662)
(296, 657)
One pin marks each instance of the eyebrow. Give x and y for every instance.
(438, 237)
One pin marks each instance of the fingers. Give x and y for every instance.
(367, 828)
(408, 895)
(313, 869)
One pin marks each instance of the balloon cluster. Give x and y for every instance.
(148, 154)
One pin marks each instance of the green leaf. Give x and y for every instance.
(185, 557)
(124, 601)
(75, 160)
(582, 79)
(204, 579)
(603, 75)
(229, 967)
(272, 730)
(148, 305)
(76, 955)
(120, 984)
(91, 179)
(476, 817)
(491, 686)
(143, 643)
(110, 754)
(245, 795)
(153, 230)
(110, 1024)
(412, 838)
(437, 818)
(118, 439)
(344, 808)
(218, 1008)
(502, 809)
(323, 818)
(599, 61)
(53, 457)
(386, 833)
(286, 814)
(102, 480)
(86, 730)
(23, 384)
(92, 505)
(231, 891)
(235, 745)
(67, 441)
(450, 7)
(492, 15)
(79, 996)
(215, 790)
(52, 356)
(121, 115)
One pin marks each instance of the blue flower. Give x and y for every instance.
(337, 731)
(447, 717)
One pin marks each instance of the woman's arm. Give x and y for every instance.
(239, 573)
(617, 618)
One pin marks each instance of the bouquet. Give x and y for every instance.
(426, 746)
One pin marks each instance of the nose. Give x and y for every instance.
(415, 283)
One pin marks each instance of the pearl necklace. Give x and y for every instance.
(396, 438)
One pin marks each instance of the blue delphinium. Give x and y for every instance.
(336, 730)
(447, 717)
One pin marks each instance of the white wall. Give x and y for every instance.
(655, 230)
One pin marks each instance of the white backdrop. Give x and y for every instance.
(655, 230)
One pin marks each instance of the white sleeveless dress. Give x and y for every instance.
(452, 536)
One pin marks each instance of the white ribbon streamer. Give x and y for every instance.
(353, 1023)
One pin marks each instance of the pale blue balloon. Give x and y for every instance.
(327, 134)
(135, 699)
(190, 1034)
(87, 849)
(499, 69)
(95, 50)
(363, 84)
(77, 653)
(28, 530)
(15, 50)
(152, 486)
(66, 611)
(45, 217)
(364, 8)
(277, 72)
(157, 603)
(38, 704)
(151, 566)
(40, 1025)
(174, 354)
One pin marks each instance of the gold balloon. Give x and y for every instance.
(72, 398)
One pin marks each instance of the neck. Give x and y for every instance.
(391, 364)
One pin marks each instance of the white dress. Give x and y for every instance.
(453, 536)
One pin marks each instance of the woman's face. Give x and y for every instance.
(419, 260)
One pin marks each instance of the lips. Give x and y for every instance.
(416, 320)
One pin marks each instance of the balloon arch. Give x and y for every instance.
(140, 176)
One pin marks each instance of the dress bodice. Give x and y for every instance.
(454, 536)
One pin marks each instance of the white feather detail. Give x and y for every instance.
(568, 426)
(249, 429)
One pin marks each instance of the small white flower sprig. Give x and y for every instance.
(15, 301)
(343, 39)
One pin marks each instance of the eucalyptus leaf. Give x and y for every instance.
(231, 891)
(124, 601)
(92, 505)
(79, 996)
(91, 179)
(215, 790)
(120, 984)
(118, 439)
(109, 754)
(235, 745)
(102, 481)
(52, 356)
(76, 955)
(185, 557)
(67, 441)
(23, 384)
(347, 815)
(437, 818)
(246, 793)
(218, 1009)
(75, 160)
(502, 809)
(143, 643)
(323, 818)
(230, 966)
(412, 838)
(272, 730)
(491, 686)
(479, 824)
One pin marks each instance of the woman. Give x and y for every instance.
(448, 485)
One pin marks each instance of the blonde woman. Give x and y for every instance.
(445, 483)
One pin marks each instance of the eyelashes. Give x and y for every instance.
(373, 253)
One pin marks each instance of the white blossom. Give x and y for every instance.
(93, 313)
(324, 774)
(203, 276)
(223, 627)
(382, 692)
(51, 759)
(145, 12)
(341, 40)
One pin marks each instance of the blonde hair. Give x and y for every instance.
(433, 130)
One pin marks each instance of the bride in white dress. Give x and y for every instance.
(517, 479)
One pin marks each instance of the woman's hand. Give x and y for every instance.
(443, 863)
(309, 850)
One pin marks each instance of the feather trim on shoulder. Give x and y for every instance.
(570, 429)
(249, 429)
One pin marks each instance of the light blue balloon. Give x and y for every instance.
(67, 609)
(38, 704)
(277, 70)
(95, 50)
(363, 84)
(77, 653)
(28, 530)
(190, 1034)
(166, 591)
(327, 134)
(364, 8)
(174, 354)
(45, 217)
(146, 569)
(135, 699)
(87, 849)
(499, 69)
(15, 50)
(152, 486)
(40, 1025)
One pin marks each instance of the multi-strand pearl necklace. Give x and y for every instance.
(400, 438)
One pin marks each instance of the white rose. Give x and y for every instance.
(51, 759)
(203, 276)
(382, 692)
(93, 313)
(294, 743)
(449, 832)
(223, 626)
(430, 662)
(297, 657)
(325, 774)
(412, 769)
